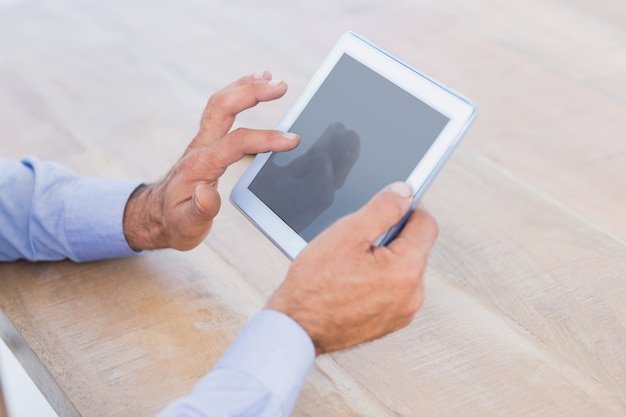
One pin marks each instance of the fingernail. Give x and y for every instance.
(290, 136)
(274, 83)
(259, 74)
(401, 188)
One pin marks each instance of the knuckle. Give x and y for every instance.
(409, 276)
(216, 99)
(416, 303)
(240, 139)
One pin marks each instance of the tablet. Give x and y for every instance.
(366, 119)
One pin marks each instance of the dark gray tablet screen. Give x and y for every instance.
(358, 133)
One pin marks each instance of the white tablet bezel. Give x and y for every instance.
(459, 110)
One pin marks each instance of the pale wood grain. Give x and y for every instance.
(524, 312)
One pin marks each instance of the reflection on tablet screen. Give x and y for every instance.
(358, 133)
(301, 190)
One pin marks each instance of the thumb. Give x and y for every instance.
(206, 202)
(382, 212)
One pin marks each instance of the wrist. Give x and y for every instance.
(301, 318)
(143, 220)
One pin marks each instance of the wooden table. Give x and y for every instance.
(525, 312)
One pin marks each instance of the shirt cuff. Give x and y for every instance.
(94, 218)
(276, 351)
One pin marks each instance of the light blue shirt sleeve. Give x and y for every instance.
(260, 375)
(48, 213)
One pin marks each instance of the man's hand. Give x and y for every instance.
(344, 291)
(178, 211)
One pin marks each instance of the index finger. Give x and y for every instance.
(240, 142)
